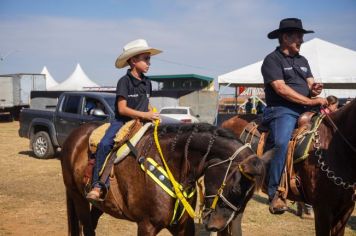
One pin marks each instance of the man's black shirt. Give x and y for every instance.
(136, 92)
(293, 70)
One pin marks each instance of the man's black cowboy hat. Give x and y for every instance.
(288, 24)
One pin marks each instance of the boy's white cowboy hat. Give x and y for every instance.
(134, 48)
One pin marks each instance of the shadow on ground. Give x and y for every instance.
(31, 154)
(260, 199)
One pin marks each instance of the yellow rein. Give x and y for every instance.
(175, 184)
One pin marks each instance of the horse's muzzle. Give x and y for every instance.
(213, 222)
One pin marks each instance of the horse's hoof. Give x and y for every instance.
(309, 216)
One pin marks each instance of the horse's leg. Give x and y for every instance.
(339, 224)
(322, 220)
(95, 214)
(145, 227)
(185, 229)
(74, 228)
(82, 209)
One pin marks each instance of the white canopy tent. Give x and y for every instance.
(78, 80)
(332, 65)
(50, 82)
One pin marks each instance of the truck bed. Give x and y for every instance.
(28, 114)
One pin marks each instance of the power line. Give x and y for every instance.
(186, 65)
(7, 54)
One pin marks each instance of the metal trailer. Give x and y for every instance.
(15, 90)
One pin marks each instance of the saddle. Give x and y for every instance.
(298, 148)
(127, 131)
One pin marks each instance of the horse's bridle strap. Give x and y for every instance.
(216, 198)
(233, 156)
(221, 189)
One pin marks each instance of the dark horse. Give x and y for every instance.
(328, 175)
(191, 152)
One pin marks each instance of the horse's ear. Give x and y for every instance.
(253, 166)
(267, 156)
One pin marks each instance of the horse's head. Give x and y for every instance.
(242, 173)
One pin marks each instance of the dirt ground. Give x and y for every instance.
(32, 199)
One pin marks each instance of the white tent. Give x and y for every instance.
(332, 65)
(50, 82)
(78, 80)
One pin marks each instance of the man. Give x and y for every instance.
(132, 101)
(290, 90)
(248, 106)
(260, 107)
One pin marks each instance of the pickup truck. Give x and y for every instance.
(48, 129)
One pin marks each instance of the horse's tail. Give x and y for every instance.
(74, 228)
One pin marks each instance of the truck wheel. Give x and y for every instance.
(42, 145)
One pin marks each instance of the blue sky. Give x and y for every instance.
(203, 36)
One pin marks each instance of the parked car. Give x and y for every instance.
(47, 129)
(178, 114)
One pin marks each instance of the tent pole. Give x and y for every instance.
(236, 87)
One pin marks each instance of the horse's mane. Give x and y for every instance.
(198, 127)
(185, 133)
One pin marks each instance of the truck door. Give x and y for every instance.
(67, 116)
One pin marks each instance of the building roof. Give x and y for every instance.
(160, 78)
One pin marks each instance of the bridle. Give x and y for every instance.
(332, 123)
(219, 194)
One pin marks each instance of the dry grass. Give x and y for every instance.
(32, 199)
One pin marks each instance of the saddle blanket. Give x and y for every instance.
(99, 133)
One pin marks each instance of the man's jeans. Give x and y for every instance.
(104, 148)
(281, 122)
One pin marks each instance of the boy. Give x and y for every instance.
(132, 101)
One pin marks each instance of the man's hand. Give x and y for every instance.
(318, 102)
(316, 89)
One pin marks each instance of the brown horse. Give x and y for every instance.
(191, 152)
(328, 176)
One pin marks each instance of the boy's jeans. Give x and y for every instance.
(104, 147)
(281, 122)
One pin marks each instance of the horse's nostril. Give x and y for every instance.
(212, 229)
